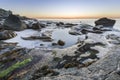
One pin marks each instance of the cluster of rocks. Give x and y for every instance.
(102, 25)
(83, 56)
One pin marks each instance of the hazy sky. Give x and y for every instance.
(63, 8)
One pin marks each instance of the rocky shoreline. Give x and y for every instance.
(96, 57)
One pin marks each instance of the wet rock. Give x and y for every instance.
(69, 25)
(1, 27)
(85, 31)
(14, 23)
(101, 28)
(12, 59)
(36, 26)
(81, 29)
(83, 56)
(7, 34)
(47, 33)
(44, 71)
(105, 22)
(61, 43)
(42, 25)
(59, 24)
(43, 38)
(113, 39)
(68, 62)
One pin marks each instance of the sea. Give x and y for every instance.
(57, 34)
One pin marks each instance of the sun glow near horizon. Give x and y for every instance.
(63, 8)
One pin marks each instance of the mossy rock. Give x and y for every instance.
(4, 73)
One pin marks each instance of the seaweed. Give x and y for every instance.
(14, 66)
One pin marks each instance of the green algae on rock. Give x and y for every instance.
(15, 66)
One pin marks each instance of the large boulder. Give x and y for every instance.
(105, 22)
(6, 34)
(14, 23)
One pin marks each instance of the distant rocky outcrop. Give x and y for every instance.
(4, 13)
(14, 23)
(105, 22)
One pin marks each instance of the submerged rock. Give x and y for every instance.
(105, 22)
(14, 23)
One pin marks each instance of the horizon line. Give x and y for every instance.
(74, 17)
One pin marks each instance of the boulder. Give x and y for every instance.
(14, 23)
(105, 22)
(61, 43)
(6, 34)
(36, 26)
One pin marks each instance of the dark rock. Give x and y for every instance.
(101, 28)
(81, 29)
(14, 23)
(70, 65)
(43, 38)
(44, 71)
(60, 24)
(105, 22)
(42, 25)
(54, 44)
(1, 26)
(6, 34)
(85, 31)
(67, 25)
(36, 26)
(61, 43)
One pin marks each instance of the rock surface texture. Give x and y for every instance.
(105, 22)
(14, 23)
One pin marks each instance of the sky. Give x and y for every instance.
(63, 8)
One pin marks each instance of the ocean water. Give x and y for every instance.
(57, 34)
(86, 21)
